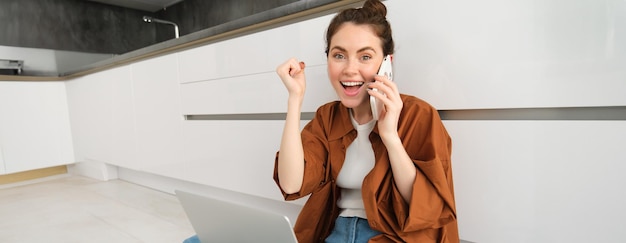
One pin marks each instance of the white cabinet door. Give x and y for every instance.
(504, 54)
(103, 117)
(89, 101)
(34, 126)
(156, 93)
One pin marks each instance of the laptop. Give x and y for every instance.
(218, 221)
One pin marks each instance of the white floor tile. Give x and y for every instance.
(78, 209)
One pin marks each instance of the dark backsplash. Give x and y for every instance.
(195, 15)
(73, 25)
(86, 26)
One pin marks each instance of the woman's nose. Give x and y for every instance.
(351, 68)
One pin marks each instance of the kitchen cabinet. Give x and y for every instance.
(34, 126)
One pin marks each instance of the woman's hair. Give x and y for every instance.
(373, 13)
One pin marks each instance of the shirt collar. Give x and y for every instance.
(341, 122)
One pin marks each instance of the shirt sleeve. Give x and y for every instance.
(429, 146)
(315, 145)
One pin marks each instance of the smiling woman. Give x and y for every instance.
(364, 175)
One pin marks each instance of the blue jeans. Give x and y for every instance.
(351, 230)
(193, 239)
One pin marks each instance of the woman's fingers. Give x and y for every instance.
(291, 73)
(295, 67)
(387, 92)
(287, 68)
(384, 86)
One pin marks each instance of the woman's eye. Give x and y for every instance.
(366, 58)
(338, 56)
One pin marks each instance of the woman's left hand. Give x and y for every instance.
(390, 96)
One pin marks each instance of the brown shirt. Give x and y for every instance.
(431, 214)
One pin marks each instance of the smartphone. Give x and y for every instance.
(384, 70)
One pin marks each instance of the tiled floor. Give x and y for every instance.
(77, 209)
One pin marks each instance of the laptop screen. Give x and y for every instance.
(215, 220)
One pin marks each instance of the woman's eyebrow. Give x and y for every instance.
(367, 48)
(338, 48)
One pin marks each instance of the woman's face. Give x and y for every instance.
(354, 56)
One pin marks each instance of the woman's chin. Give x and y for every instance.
(353, 101)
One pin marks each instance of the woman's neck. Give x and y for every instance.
(362, 114)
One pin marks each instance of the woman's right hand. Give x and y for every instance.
(291, 159)
(292, 74)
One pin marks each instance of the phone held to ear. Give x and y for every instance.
(386, 70)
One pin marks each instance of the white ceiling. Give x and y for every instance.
(145, 5)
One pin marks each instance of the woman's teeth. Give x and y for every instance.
(349, 84)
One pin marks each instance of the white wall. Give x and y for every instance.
(515, 181)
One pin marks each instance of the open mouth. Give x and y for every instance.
(351, 88)
(352, 84)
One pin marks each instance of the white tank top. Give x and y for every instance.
(358, 163)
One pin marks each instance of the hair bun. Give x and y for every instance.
(375, 8)
(374, 14)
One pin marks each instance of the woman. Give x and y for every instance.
(388, 180)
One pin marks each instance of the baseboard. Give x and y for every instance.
(32, 174)
(94, 169)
